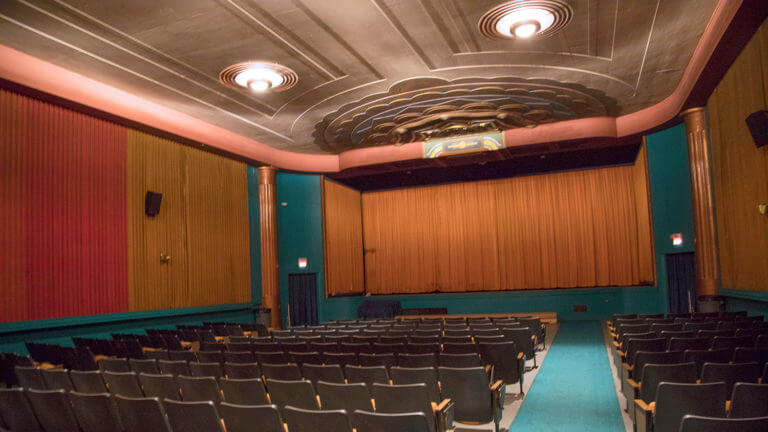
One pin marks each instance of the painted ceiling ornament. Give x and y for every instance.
(421, 109)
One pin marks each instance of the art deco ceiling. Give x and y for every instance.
(370, 72)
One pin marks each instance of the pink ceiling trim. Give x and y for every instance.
(38, 74)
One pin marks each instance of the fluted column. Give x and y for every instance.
(707, 272)
(270, 286)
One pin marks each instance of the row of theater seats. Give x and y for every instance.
(477, 398)
(674, 368)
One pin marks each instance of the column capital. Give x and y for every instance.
(266, 174)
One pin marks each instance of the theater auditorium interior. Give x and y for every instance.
(383, 215)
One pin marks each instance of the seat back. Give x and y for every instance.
(211, 356)
(244, 391)
(30, 378)
(656, 357)
(88, 381)
(503, 357)
(327, 373)
(367, 374)
(197, 389)
(341, 359)
(692, 423)
(249, 418)
(427, 376)
(635, 345)
(299, 394)
(142, 414)
(349, 397)
(365, 421)
(174, 367)
(675, 400)
(56, 379)
(689, 343)
(302, 420)
(730, 374)
(749, 400)
(193, 416)
(385, 359)
(17, 412)
(469, 390)
(414, 347)
(459, 360)
(242, 370)
(212, 369)
(53, 410)
(95, 412)
(732, 342)
(707, 356)
(407, 398)
(653, 374)
(114, 365)
(284, 372)
(160, 386)
(239, 357)
(123, 383)
(460, 348)
(417, 360)
(522, 339)
(144, 366)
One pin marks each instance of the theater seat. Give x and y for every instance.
(193, 416)
(53, 410)
(507, 361)
(250, 418)
(142, 414)
(365, 421)
(367, 374)
(299, 394)
(327, 373)
(17, 412)
(301, 420)
(730, 374)
(198, 389)
(407, 398)
(160, 386)
(427, 375)
(675, 400)
(475, 399)
(56, 379)
(749, 400)
(349, 397)
(95, 412)
(692, 423)
(242, 370)
(88, 381)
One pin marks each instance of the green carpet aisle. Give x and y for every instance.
(574, 388)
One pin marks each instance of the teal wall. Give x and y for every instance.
(300, 233)
(672, 208)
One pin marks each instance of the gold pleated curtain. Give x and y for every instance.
(575, 229)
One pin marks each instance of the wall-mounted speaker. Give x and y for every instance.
(152, 203)
(758, 127)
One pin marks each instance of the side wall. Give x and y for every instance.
(740, 175)
(78, 253)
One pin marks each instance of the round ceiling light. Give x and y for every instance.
(259, 76)
(525, 19)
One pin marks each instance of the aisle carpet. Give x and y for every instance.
(574, 388)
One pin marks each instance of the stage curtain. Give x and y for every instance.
(574, 229)
(343, 239)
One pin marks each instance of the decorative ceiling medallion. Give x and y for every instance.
(259, 76)
(422, 109)
(528, 19)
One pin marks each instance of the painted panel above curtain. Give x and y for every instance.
(565, 230)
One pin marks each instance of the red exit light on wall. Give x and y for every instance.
(302, 263)
(677, 239)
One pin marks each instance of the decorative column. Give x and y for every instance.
(270, 286)
(707, 271)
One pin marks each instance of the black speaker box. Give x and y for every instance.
(152, 203)
(758, 127)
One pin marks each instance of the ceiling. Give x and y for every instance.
(366, 68)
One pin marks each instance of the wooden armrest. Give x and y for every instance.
(651, 407)
(727, 406)
(628, 367)
(444, 404)
(633, 383)
(487, 368)
(533, 338)
(616, 344)
(519, 355)
(497, 385)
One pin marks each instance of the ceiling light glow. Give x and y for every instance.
(525, 22)
(259, 76)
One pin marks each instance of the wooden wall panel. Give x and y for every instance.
(202, 226)
(740, 170)
(158, 165)
(62, 212)
(218, 232)
(576, 229)
(342, 239)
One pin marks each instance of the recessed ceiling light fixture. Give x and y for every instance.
(525, 19)
(259, 76)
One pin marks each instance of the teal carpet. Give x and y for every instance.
(573, 390)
